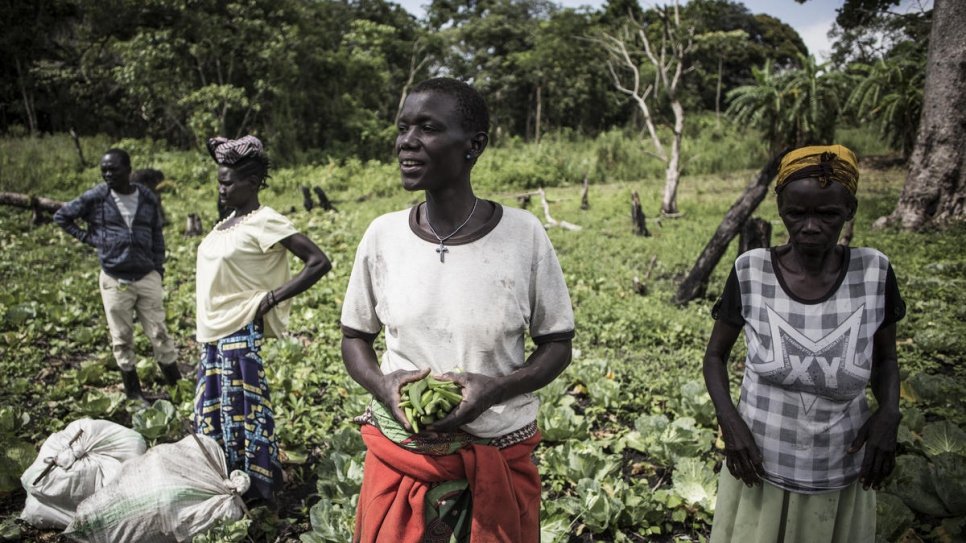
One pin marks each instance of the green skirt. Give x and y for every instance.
(769, 514)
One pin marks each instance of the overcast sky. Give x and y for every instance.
(812, 20)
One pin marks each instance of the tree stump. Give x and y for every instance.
(324, 201)
(637, 216)
(193, 225)
(77, 145)
(307, 202)
(584, 203)
(755, 234)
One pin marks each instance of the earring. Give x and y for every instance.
(469, 156)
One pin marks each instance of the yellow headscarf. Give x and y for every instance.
(823, 162)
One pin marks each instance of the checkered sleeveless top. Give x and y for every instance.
(808, 364)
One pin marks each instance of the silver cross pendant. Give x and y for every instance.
(442, 250)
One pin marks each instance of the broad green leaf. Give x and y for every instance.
(599, 507)
(17, 455)
(695, 483)
(90, 373)
(555, 531)
(948, 472)
(943, 437)
(892, 516)
(96, 404)
(561, 422)
(912, 482)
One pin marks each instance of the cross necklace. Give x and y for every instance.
(442, 250)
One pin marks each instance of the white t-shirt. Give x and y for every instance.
(470, 312)
(127, 204)
(236, 268)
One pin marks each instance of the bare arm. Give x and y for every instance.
(363, 366)
(743, 458)
(879, 433)
(316, 265)
(480, 392)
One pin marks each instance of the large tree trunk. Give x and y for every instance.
(935, 189)
(696, 283)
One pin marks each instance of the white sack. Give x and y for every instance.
(79, 468)
(171, 493)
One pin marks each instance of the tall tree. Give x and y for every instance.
(667, 57)
(935, 188)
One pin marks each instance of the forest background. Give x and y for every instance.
(631, 442)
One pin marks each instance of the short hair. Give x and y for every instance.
(256, 166)
(125, 158)
(475, 117)
(149, 177)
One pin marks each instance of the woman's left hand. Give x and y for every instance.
(878, 434)
(263, 307)
(480, 392)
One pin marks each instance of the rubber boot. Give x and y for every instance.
(171, 373)
(132, 385)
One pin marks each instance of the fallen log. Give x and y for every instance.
(549, 221)
(29, 201)
(696, 283)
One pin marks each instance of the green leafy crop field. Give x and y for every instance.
(631, 448)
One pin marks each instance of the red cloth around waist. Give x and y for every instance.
(504, 482)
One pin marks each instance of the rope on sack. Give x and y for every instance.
(214, 466)
(52, 461)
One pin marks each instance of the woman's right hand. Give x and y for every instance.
(390, 392)
(743, 458)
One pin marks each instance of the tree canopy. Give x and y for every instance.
(328, 75)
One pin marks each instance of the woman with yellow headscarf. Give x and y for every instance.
(803, 450)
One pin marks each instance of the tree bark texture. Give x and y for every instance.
(669, 203)
(935, 188)
(696, 283)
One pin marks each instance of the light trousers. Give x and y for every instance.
(146, 298)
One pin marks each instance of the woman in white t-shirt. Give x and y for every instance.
(243, 288)
(457, 283)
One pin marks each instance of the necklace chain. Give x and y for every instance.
(458, 228)
(442, 250)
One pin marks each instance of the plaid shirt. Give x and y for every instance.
(809, 361)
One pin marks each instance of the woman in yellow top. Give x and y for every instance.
(243, 288)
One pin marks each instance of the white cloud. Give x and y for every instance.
(815, 36)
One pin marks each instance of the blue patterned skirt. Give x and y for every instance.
(233, 407)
